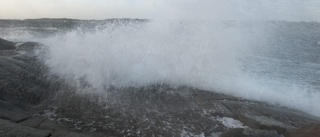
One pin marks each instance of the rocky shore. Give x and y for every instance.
(32, 104)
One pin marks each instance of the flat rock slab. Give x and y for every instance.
(246, 132)
(70, 134)
(33, 122)
(10, 129)
(14, 111)
(52, 125)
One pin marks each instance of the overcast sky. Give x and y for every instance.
(83, 9)
(215, 9)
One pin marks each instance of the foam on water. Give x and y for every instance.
(231, 123)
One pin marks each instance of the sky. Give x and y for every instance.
(297, 10)
(81, 9)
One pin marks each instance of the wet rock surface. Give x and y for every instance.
(33, 105)
(161, 110)
(13, 129)
(307, 131)
(246, 132)
(23, 89)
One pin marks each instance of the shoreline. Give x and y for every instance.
(32, 105)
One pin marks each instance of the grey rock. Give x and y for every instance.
(22, 76)
(28, 46)
(8, 52)
(52, 125)
(14, 111)
(312, 130)
(33, 122)
(262, 116)
(6, 45)
(163, 110)
(246, 132)
(10, 129)
(18, 78)
(70, 134)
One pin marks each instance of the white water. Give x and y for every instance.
(207, 55)
(203, 49)
(198, 54)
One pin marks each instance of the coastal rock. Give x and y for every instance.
(10, 129)
(19, 80)
(6, 45)
(70, 134)
(246, 132)
(261, 116)
(22, 76)
(163, 110)
(23, 88)
(28, 46)
(14, 111)
(33, 105)
(33, 122)
(312, 130)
